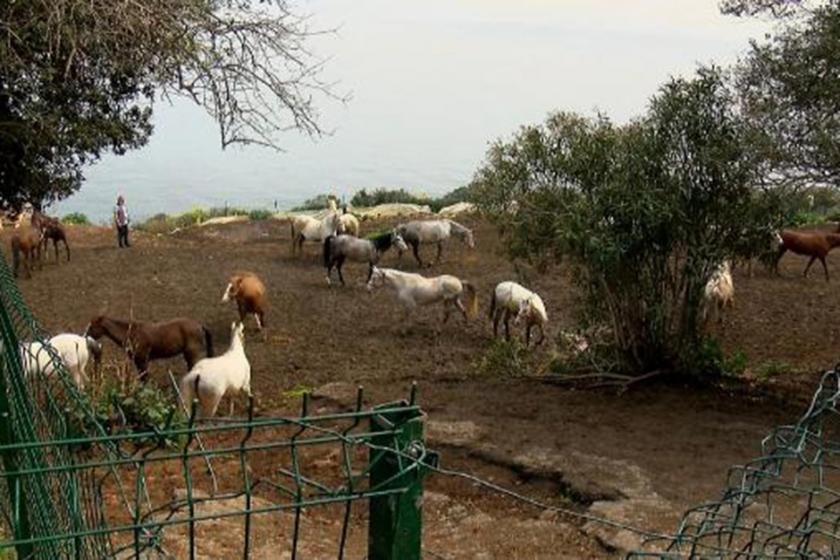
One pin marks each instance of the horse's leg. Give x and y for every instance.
(807, 268)
(779, 254)
(55, 246)
(528, 333)
(339, 264)
(240, 306)
(415, 247)
(67, 248)
(461, 308)
(260, 320)
(497, 316)
(447, 309)
(507, 325)
(439, 252)
(142, 365)
(825, 268)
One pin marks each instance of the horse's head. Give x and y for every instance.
(524, 311)
(469, 239)
(96, 327)
(377, 278)
(398, 241)
(232, 289)
(237, 332)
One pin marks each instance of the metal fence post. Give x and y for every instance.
(17, 495)
(395, 524)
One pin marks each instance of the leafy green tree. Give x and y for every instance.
(642, 213)
(78, 78)
(790, 88)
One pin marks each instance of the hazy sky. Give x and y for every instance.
(432, 82)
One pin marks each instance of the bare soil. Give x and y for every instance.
(662, 447)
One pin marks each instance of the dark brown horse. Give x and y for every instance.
(52, 230)
(144, 341)
(26, 241)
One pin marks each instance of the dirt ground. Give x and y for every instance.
(641, 457)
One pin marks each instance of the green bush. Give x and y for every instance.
(76, 218)
(641, 213)
(143, 409)
(260, 214)
(318, 202)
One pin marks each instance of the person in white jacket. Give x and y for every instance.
(121, 222)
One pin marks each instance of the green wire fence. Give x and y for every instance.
(72, 486)
(783, 505)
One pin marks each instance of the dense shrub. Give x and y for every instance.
(643, 213)
(318, 202)
(259, 214)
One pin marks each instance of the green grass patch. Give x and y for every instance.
(773, 368)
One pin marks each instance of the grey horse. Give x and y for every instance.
(433, 231)
(338, 248)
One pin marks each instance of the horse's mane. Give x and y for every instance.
(458, 228)
(382, 241)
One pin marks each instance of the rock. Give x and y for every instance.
(457, 209)
(452, 433)
(341, 393)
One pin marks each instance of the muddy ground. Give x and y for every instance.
(641, 457)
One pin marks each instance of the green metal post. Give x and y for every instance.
(395, 526)
(20, 516)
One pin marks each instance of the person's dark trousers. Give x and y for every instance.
(122, 236)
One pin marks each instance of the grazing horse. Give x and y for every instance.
(144, 341)
(414, 289)
(26, 241)
(719, 293)
(510, 299)
(433, 231)
(73, 350)
(810, 244)
(341, 247)
(250, 295)
(307, 228)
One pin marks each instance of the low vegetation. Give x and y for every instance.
(76, 218)
(165, 223)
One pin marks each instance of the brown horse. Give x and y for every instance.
(810, 244)
(51, 229)
(26, 241)
(144, 341)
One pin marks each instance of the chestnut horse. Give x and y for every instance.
(144, 341)
(27, 241)
(810, 244)
(51, 229)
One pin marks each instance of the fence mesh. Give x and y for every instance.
(783, 504)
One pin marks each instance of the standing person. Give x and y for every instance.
(121, 221)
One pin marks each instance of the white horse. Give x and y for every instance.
(342, 247)
(73, 350)
(511, 299)
(414, 289)
(433, 231)
(216, 377)
(719, 293)
(307, 228)
(348, 224)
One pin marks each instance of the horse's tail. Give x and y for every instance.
(472, 299)
(328, 250)
(492, 304)
(15, 254)
(208, 341)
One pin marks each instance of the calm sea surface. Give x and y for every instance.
(432, 82)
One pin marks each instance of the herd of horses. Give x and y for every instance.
(211, 377)
(33, 232)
